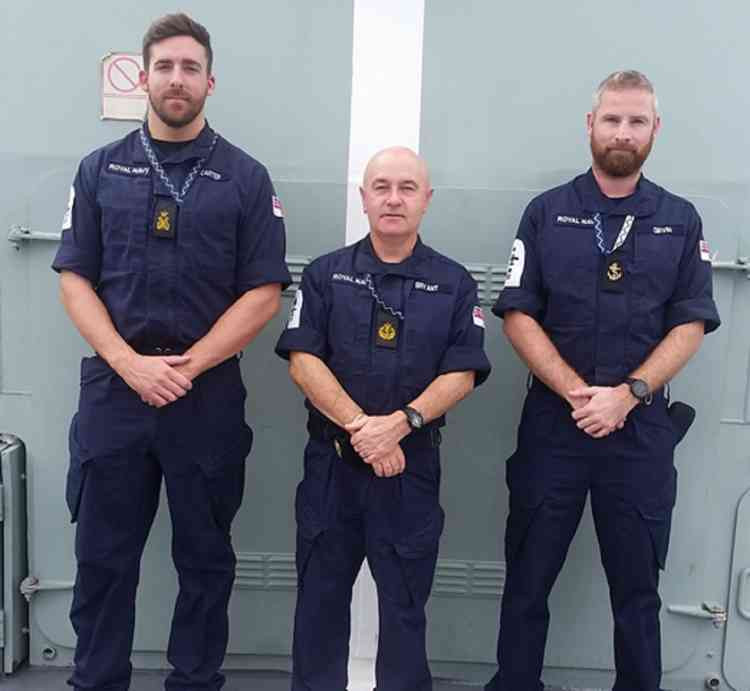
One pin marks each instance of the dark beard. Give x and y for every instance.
(620, 163)
(177, 122)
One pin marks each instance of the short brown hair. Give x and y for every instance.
(179, 24)
(621, 81)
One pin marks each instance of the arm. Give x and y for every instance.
(376, 438)
(234, 330)
(154, 379)
(322, 389)
(609, 406)
(377, 435)
(540, 355)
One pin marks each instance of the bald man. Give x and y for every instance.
(384, 337)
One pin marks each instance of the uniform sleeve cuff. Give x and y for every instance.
(84, 270)
(262, 273)
(466, 359)
(698, 309)
(518, 299)
(303, 340)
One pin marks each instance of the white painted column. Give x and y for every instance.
(386, 90)
(385, 111)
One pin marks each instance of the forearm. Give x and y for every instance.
(443, 393)
(234, 330)
(91, 318)
(321, 387)
(536, 349)
(671, 355)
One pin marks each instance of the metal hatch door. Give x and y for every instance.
(737, 642)
(14, 616)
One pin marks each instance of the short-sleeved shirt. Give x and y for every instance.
(168, 291)
(605, 312)
(346, 312)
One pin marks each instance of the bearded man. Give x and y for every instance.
(171, 262)
(608, 294)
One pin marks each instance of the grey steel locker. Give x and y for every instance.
(14, 615)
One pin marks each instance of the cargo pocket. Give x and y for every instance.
(309, 529)
(657, 516)
(417, 554)
(76, 472)
(225, 475)
(526, 496)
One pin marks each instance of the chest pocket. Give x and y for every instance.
(124, 202)
(658, 251)
(428, 322)
(569, 261)
(349, 327)
(215, 210)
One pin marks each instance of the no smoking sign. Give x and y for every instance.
(122, 96)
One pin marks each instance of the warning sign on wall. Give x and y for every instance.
(122, 96)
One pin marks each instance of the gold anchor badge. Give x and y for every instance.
(614, 271)
(387, 332)
(162, 221)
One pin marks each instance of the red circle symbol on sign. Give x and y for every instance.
(122, 74)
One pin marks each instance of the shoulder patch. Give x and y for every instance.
(704, 251)
(516, 264)
(296, 312)
(477, 314)
(278, 210)
(68, 216)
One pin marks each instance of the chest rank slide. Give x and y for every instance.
(613, 278)
(386, 330)
(165, 219)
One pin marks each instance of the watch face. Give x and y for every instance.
(415, 418)
(639, 388)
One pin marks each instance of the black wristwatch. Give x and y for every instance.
(640, 390)
(413, 417)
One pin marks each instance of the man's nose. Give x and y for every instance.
(175, 79)
(623, 133)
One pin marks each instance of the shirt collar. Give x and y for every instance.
(414, 266)
(198, 148)
(642, 202)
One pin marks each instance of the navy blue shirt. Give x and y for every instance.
(556, 273)
(336, 318)
(164, 292)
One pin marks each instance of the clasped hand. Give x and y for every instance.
(600, 410)
(158, 380)
(376, 439)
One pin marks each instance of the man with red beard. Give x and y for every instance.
(608, 294)
(171, 262)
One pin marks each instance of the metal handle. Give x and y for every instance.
(19, 234)
(741, 264)
(744, 611)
